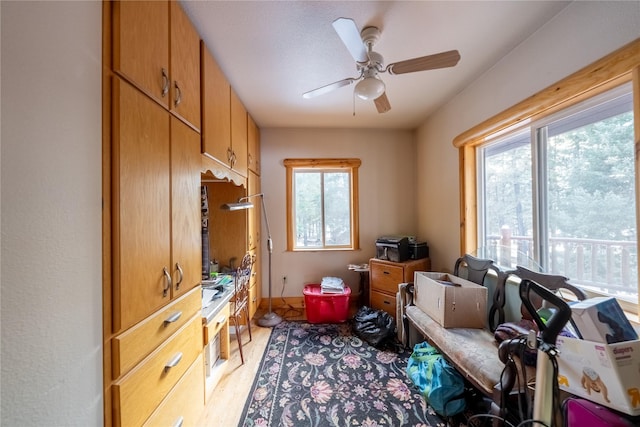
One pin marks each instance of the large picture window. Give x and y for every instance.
(576, 168)
(322, 204)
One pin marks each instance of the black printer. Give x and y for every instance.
(393, 248)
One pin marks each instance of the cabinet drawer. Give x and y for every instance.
(213, 327)
(184, 404)
(386, 278)
(132, 346)
(385, 302)
(138, 393)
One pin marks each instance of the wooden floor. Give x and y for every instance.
(225, 406)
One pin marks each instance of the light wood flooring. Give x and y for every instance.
(225, 406)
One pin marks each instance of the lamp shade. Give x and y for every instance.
(370, 88)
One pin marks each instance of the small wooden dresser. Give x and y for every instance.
(385, 277)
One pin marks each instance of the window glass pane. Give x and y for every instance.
(506, 234)
(308, 209)
(337, 209)
(591, 214)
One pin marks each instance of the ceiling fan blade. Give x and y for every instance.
(328, 88)
(382, 103)
(350, 36)
(429, 62)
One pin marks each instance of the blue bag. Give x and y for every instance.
(440, 384)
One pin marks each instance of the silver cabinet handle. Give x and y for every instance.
(179, 422)
(165, 83)
(165, 291)
(222, 320)
(178, 94)
(173, 362)
(181, 275)
(229, 154)
(173, 318)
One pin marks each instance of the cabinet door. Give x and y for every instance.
(141, 205)
(141, 45)
(238, 135)
(186, 233)
(255, 214)
(253, 136)
(185, 67)
(216, 110)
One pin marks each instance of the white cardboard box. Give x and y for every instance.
(601, 319)
(459, 304)
(607, 374)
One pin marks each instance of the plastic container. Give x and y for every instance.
(326, 308)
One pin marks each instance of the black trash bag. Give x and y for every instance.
(377, 327)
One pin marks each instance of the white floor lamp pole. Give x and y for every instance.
(270, 318)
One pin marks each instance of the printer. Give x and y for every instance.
(393, 248)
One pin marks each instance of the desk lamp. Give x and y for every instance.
(270, 318)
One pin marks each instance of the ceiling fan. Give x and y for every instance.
(369, 64)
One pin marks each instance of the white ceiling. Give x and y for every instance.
(274, 51)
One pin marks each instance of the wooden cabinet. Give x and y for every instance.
(139, 392)
(253, 136)
(156, 180)
(144, 33)
(185, 67)
(385, 277)
(216, 109)
(224, 118)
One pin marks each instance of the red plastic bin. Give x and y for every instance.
(326, 308)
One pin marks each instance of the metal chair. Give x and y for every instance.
(240, 302)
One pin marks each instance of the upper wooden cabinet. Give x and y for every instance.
(144, 32)
(224, 118)
(216, 109)
(238, 135)
(156, 178)
(185, 66)
(253, 136)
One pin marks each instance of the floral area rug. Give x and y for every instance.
(324, 375)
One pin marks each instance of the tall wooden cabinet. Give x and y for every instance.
(153, 326)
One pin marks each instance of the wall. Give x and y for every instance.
(387, 202)
(51, 292)
(580, 34)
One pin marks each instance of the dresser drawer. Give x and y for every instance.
(184, 404)
(213, 327)
(136, 343)
(385, 278)
(139, 392)
(382, 301)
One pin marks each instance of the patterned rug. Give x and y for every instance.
(323, 375)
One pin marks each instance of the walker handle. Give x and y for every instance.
(553, 327)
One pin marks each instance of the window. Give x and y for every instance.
(572, 210)
(578, 167)
(322, 204)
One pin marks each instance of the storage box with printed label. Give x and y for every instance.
(451, 301)
(607, 374)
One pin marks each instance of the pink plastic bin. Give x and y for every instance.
(326, 308)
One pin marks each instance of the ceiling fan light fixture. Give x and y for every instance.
(369, 88)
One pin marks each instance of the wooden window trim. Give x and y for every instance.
(352, 165)
(619, 67)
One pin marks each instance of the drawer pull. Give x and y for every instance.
(386, 272)
(173, 362)
(386, 302)
(171, 319)
(222, 320)
(179, 421)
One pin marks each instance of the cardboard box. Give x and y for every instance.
(607, 374)
(602, 320)
(451, 301)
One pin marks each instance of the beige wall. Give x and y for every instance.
(582, 33)
(387, 202)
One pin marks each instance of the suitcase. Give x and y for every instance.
(584, 413)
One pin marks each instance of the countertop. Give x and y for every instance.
(218, 301)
